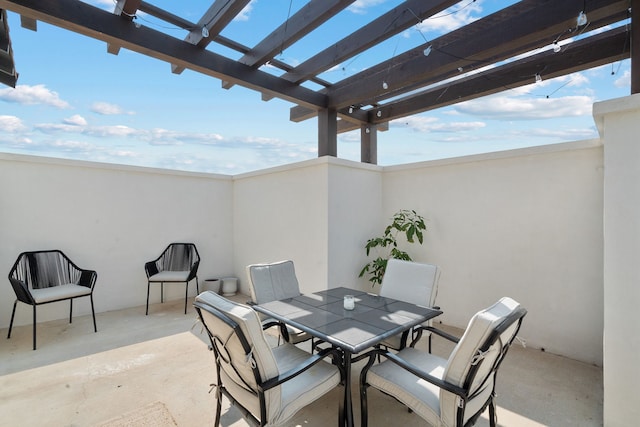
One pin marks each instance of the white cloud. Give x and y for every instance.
(33, 95)
(244, 13)
(511, 108)
(624, 80)
(360, 6)
(11, 124)
(75, 120)
(432, 124)
(452, 18)
(107, 109)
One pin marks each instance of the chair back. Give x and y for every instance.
(272, 282)
(410, 282)
(474, 361)
(243, 357)
(44, 269)
(178, 257)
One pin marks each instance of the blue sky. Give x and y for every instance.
(74, 100)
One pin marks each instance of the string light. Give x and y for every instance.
(427, 51)
(582, 19)
(538, 78)
(385, 86)
(379, 113)
(556, 47)
(205, 32)
(351, 109)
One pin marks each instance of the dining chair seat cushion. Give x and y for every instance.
(419, 395)
(66, 291)
(305, 388)
(170, 276)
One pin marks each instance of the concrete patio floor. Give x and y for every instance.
(155, 370)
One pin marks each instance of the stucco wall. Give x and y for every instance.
(525, 224)
(111, 219)
(619, 127)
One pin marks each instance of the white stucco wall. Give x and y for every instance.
(281, 213)
(525, 224)
(619, 127)
(111, 219)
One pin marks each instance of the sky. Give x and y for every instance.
(73, 100)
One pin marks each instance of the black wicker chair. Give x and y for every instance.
(178, 263)
(43, 277)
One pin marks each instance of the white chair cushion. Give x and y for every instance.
(252, 329)
(481, 325)
(305, 388)
(54, 293)
(419, 395)
(272, 282)
(170, 276)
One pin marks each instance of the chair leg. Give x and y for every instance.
(186, 294)
(197, 287)
(492, 414)
(71, 310)
(93, 313)
(161, 292)
(218, 405)
(148, 286)
(364, 417)
(34, 326)
(13, 313)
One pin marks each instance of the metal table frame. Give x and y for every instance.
(374, 318)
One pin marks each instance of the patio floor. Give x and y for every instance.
(155, 370)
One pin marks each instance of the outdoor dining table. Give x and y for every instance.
(373, 318)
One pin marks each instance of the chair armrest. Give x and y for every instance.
(312, 360)
(433, 330)
(87, 278)
(151, 268)
(22, 291)
(425, 375)
(394, 358)
(194, 270)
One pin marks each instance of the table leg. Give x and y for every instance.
(348, 405)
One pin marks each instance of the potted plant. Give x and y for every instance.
(405, 223)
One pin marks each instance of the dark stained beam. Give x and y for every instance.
(211, 24)
(601, 49)
(514, 30)
(307, 19)
(127, 10)
(401, 17)
(77, 16)
(635, 46)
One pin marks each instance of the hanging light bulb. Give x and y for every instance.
(367, 130)
(427, 51)
(582, 19)
(460, 69)
(385, 86)
(350, 109)
(205, 32)
(556, 47)
(538, 78)
(379, 113)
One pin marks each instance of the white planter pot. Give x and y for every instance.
(229, 286)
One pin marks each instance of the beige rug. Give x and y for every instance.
(153, 414)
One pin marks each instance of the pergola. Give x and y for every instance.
(501, 51)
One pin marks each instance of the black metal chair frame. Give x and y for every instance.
(151, 268)
(462, 392)
(217, 346)
(20, 286)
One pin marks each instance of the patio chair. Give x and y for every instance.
(411, 282)
(272, 282)
(178, 263)
(454, 391)
(43, 277)
(269, 386)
